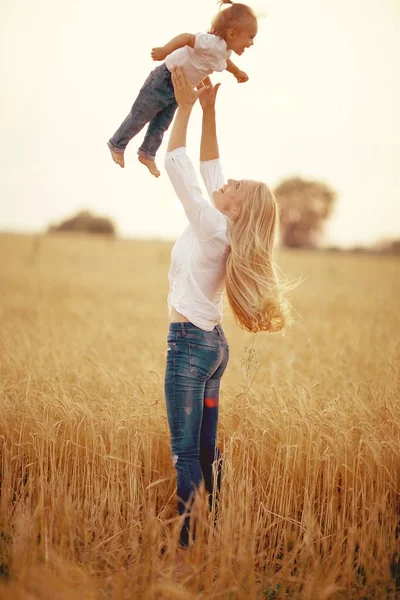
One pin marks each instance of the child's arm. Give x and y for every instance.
(241, 76)
(181, 40)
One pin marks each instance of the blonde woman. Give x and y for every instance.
(228, 244)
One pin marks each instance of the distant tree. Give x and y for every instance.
(305, 206)
(388, 246)
(395, 247)
(86, 222)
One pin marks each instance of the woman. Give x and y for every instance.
(228, 243)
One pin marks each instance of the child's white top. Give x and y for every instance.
(208, 55)
(198, 259)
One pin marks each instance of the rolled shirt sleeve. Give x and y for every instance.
(212, 49)
(212, 175)
(206, 220)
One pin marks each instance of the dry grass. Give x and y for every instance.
(309, 430)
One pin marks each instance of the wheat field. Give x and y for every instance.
(309, 430)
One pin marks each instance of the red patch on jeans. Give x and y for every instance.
(211, 402)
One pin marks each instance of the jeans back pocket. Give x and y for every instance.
(204, 360)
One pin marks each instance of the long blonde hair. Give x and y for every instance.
(252, 286)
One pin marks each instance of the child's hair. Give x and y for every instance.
(233, 17)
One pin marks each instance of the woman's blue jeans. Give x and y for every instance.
(196, 361)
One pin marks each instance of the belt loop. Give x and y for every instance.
(183, 329)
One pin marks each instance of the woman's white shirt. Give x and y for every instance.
(198, 258)
(209, 54)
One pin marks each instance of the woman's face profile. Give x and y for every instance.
(229, 198)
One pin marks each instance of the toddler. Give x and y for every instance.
(232, 30)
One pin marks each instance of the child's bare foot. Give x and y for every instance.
(117, 157)
(150, 164)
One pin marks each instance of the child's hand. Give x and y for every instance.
(241, 77)
(158, 53)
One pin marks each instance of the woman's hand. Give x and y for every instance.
(185, 94)
(207, 99)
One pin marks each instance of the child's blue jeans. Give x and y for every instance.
(196, 361)
(155, 105)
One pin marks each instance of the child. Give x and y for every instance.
(232, 30)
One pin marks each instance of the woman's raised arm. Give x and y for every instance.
(209, 143)
(185, 96)
(205, 220)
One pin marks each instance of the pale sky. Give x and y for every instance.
(322, 102)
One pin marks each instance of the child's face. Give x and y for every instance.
(239, 40)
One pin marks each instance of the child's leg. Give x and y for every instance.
(117, 155)
(154, 136)
(142, 111)
(146, 106)
(155, 131)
